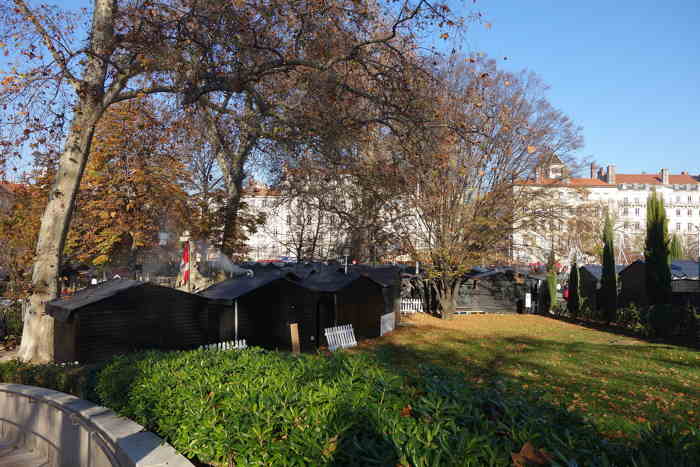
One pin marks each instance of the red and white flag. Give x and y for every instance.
(185, 263)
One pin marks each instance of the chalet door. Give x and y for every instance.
(324, 319)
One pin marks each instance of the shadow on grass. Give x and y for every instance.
(690, 342)
(620, 385)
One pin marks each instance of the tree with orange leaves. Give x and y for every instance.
(133, 187)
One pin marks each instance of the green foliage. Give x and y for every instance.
(551, 261)
(257, 407)
(670, 321)
(629, 316)
(574, 303)
(560, 310)
(656, 252)
(608, 284)
(675, 249)
(659, 444)
(69, 378)
(11, 320)
(552, 289)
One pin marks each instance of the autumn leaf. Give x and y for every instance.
(529, 455)
(531, 149)
(444, 35)
(407, 411)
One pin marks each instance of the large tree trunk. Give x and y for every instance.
(231, 159)
(232, 166)
(446, 291)
(38, 339)
(38, 334)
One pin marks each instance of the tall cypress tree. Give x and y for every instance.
(608, 284)
(551, 281)
(656, 252)
(675, 249)
(574, 303)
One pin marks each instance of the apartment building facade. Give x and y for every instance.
(293, 228)
(585, 200)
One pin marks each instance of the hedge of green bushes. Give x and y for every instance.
(652, 321)
(256, 407)
(72, 379)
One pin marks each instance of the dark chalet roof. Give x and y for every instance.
(63, 308)
(680, 268)
(313, 277)
(596, 270)
(232, 289)
(93, 294)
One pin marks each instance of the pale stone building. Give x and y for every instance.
(624, 195)
(292, 228)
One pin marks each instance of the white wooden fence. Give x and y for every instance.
(340, 337)
(226, 345)
(411, 305)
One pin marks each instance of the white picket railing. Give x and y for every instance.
(239, 344)
(340, 337)
(411, 305)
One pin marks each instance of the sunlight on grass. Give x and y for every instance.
(619, 382)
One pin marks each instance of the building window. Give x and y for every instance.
(626, 200)
(678, 227)
(690, 227)
(690, 212)
(625, 212)
(636, 211)
(678, 212)
(636, 226)
(678, 199)
(690, 199)
(627, 225)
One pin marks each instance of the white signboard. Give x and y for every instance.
(528, 300)
(388, 323)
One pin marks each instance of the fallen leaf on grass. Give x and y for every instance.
(528, 455)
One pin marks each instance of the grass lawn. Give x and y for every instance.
(619, 383)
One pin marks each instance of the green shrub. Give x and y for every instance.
(552, 290)
(68, 378)
(628, 316)
(11, 320)
(666, 320)
(255, 407)
(560, 309)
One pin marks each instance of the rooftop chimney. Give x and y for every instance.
(664, 176)
(539, 174)
(593, 175)
(611, 175)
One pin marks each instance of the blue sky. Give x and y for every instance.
(627, 71)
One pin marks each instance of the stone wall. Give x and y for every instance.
(55, 429)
